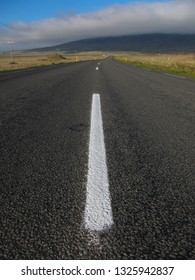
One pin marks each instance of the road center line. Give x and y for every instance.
(98, 210)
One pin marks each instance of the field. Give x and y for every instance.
(180, 64)
(23, 59)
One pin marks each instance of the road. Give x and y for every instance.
(149, 145)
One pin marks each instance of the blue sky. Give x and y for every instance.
(42, 23)
(33, 10)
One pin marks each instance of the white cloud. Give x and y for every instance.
(176, 16)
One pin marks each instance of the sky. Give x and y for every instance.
(41, 23)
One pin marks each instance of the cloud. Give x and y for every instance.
(176, 16)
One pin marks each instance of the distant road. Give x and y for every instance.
(112, 179)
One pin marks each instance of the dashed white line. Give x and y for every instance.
(98, 210)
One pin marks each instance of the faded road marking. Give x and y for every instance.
(175, 76)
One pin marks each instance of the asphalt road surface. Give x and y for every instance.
(149, 137)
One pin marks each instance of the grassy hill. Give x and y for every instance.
(155, 43)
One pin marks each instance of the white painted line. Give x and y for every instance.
(175, 76)
(98, 210)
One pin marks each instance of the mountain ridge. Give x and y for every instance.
(156, 43)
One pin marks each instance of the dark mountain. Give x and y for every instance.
(158, 43)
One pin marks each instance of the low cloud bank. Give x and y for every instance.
(171, 17)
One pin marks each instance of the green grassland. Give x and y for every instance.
(178, 64)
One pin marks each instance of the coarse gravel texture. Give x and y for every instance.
(148, 121)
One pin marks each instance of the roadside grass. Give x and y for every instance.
(24, 59)
(178, 64)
